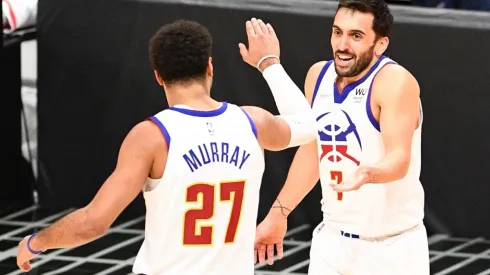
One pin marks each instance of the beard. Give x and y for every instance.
(360, 63)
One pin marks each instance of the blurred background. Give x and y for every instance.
(76, 78)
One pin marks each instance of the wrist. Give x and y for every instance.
(369, 173)
(33, 245)
(276, 215)
(279, 211)
(269, 61)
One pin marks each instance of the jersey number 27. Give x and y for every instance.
(206, 194)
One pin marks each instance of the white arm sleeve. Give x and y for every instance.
(292, 105)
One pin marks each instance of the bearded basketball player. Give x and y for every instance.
(367, 156)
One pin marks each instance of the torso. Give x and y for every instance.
(349, 136)
(201, 212)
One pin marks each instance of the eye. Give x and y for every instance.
(336, 32)
(357, 36)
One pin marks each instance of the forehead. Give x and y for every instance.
(348, 20)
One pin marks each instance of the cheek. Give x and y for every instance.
(333, 42)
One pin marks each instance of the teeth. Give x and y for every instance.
(344, 57)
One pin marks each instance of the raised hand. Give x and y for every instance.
(262, 45)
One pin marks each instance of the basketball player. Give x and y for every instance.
(367, 156)
(200, 162)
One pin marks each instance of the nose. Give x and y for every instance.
(343, 44)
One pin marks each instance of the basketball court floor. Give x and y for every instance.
(114, 253)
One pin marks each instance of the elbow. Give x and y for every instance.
(311, 129)
(302, 129)
(402, 168)
(97, 230)
(94, 227)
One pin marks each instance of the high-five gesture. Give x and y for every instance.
(263, 45)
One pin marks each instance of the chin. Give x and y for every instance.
(344, 72)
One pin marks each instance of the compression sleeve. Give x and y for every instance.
(292, 105)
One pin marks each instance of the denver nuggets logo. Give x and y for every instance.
(334, 133)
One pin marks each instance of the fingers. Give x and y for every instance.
(26, 266)
(262, 250)
(261, 42)
(263, 27)
(250, 29)
(261, 253)
(345, 187)
(271, 29)
(280, 250)
(260, 28)
(243, 50)
(340, 187)
(270, 254)
(256, 26)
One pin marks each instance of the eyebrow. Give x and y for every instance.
(351, 31)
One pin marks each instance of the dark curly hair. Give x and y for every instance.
(383, 19)
(180, 51)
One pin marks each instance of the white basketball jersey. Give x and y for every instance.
(201, 215)
(349, 136)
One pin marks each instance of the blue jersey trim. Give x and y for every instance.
(252, 123)
(319, 80)
(162, 128)
(197, 113)
(369, 111)
(340, 97)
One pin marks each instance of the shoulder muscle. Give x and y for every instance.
(273, 133)
(312, 77)
(394, 80)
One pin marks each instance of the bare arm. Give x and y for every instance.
(296, 124)
(135, 162)
(303, 174)
(397, 95)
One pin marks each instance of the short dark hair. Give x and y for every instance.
(180, 51)
(383, 19)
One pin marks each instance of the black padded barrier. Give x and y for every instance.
(95, 83)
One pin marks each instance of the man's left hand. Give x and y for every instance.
(362, 176)
(24, 255)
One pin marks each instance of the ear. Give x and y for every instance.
(159, 78)
(381, 46)
(210, 69)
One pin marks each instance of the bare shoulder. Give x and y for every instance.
(393, 79)
(257, 114)
(316, 68)
(312, 76)
(146, 134)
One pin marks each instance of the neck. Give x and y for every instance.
(196, 96)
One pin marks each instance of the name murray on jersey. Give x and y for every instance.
(215, 152)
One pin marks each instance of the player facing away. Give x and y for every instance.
(367, 155)
(199, 163)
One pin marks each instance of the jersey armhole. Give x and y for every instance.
(252, 123)
(369, 111)
(162, 128)
(319, 80)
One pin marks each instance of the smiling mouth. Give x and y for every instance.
(344, 57)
